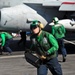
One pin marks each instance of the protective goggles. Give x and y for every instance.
(33, 27)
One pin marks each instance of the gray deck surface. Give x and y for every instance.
(16, 65)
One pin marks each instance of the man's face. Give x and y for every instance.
(35, 30)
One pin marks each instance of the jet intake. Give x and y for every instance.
(18, 18)
(0, 16)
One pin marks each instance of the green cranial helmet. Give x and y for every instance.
(34, 24)
(55, 19)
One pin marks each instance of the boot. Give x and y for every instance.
(64, 58)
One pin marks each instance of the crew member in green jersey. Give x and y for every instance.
(45, 46)
(58, 30)
(6, 39)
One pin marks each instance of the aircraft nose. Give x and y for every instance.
(0, 17)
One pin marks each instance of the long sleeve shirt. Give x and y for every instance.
(48, 43)
(4, 37)
(58, 31)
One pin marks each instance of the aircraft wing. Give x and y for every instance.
(67, 6)
(52, 3)
(63, 6)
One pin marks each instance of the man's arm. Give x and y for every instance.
(54, 44)
(63, 28)
(3, 40)
(53, 31)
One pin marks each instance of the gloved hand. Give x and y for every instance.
(47, 53)
(42, 57)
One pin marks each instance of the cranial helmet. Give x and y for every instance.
(41, 25)
(55, 19)
(34, 24)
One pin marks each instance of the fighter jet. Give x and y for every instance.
(17, 15)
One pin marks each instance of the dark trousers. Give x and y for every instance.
(62, 47)
(0, 50)
(22, 41)
(52, 65)
(6, 46)
(23, 38)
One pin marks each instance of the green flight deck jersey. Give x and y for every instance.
(4, 36)
(45, 42)
(58, 31)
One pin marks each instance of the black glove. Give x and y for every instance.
(47, 53)
(27, 50)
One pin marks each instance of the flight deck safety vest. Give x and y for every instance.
(42, 44)
(58, 31)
